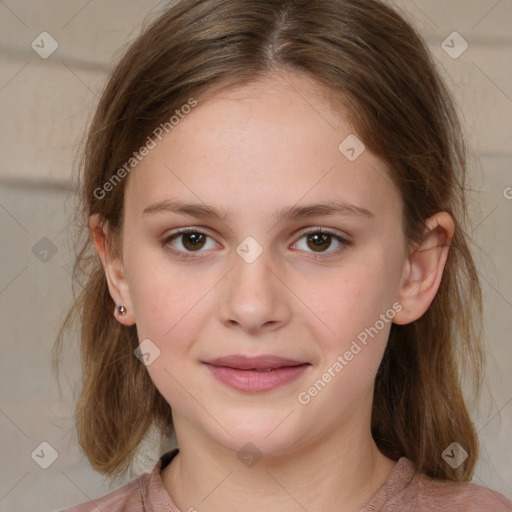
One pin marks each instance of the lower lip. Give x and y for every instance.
(252, 381)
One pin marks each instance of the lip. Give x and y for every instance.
(257, 373)
(261, 362)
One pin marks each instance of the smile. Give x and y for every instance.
(256, 374)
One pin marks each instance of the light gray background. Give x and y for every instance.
(45, 105)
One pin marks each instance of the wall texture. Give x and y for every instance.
(54, 60)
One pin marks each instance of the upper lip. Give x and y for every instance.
(254, 362)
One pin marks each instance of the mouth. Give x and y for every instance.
(257, 373)
(263, 363)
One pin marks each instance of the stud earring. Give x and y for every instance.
(121, 310)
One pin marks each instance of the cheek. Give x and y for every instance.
(163, 297)
(358, 308)
(353, 298)
(169, 311)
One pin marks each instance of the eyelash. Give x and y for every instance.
(191, 256)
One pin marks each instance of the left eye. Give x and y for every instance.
(319, 241)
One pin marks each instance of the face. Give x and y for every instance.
(275, 281)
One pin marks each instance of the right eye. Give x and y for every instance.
(186, 241)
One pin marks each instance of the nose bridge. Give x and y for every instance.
(253, 297)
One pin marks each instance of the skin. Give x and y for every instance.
(253, 150)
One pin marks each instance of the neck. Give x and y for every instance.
(337, 472)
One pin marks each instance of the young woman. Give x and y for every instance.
(274, 193)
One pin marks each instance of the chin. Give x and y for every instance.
(267, 437)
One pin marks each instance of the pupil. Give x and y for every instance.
(194, 239)
(319, 240)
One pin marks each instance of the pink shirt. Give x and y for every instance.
(397, 494)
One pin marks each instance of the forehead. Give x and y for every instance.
(278, 140)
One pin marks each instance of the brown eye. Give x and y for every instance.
(322, 242)
(193, 241)
(319, 241)
(188, 241)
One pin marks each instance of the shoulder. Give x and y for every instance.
(431, 495)
(138, 495)
(127, 498)
(464, 496)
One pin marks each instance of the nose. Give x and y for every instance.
(254, 298)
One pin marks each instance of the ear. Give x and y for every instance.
(424, 268)
(114, 270)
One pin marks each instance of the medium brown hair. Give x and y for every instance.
(377, 67)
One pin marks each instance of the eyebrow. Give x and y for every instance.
(290, 212)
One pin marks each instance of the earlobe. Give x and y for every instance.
(424, 268)
(114, 272)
